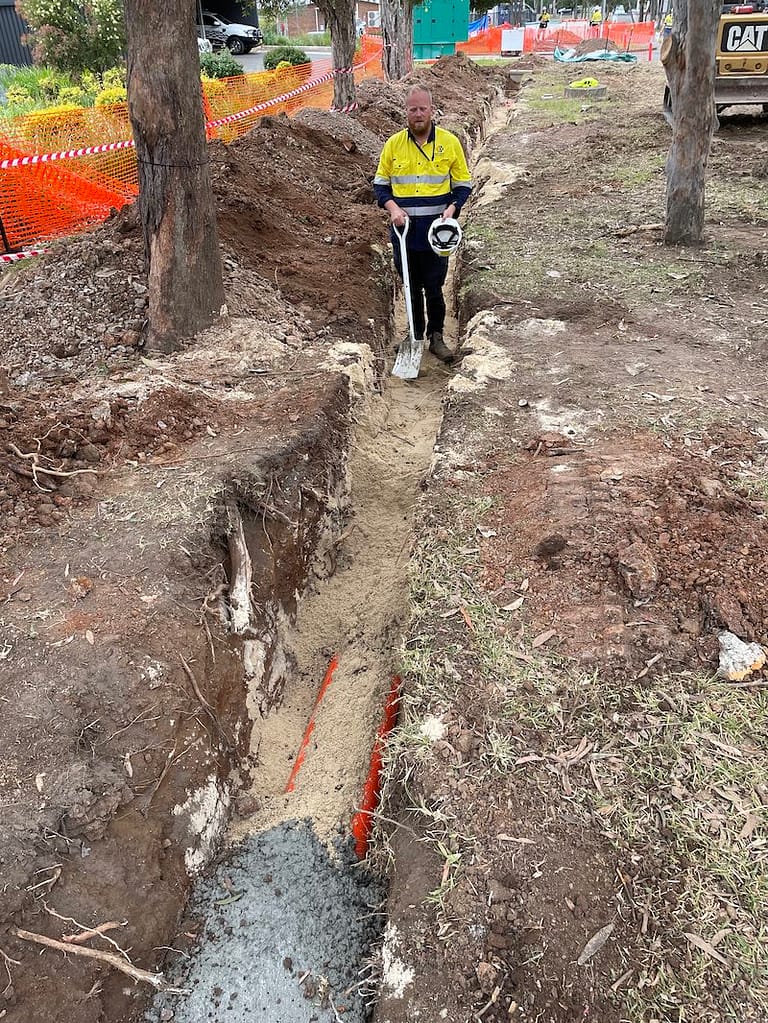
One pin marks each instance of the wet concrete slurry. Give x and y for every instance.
(286, 926)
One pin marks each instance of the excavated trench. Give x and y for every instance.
(284, 922)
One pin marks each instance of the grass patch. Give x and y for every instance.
(674, 778)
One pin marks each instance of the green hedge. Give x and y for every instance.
(284, 54)
(220, 65)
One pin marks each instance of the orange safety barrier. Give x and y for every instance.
(53, 183)
(483, 43)
(625, 35)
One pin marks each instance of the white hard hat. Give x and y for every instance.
(444, 236)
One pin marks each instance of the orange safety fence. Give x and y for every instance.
(483, 43)
(627, 36)
(65, 169)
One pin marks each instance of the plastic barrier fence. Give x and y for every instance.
(627, 36)
(64, 170)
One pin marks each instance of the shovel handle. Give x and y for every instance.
(403, 231)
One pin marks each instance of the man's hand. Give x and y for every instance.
(449, 212)
(398, 216)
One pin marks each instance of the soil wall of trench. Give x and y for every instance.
(146, 696)
(145, 638)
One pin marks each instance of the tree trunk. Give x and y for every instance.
(340, 18)
(688, 55)
(397, 34)
(178, 212)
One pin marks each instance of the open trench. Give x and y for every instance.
(288, 916)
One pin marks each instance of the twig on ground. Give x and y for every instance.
(223, 737)
(7, 963)
(157, 980)
(85, 929)
(78, 939)
(34, 458)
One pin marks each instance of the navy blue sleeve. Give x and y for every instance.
(383, 194)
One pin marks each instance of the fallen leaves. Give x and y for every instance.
(705, 946)
(542, 638)
(595, 943)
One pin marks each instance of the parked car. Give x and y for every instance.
(237, 38)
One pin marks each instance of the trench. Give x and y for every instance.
(289, 914)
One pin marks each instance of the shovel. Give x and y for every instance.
(408, 358)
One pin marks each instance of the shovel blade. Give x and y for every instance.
(408, 359)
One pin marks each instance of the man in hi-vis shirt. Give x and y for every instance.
(423, 175)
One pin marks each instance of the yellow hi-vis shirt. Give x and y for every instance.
(597, 16)
(422, 179)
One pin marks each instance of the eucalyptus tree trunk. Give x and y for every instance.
(688, 55)
(340, 18)
(397, 35)
(176, 202)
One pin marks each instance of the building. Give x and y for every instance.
(12, 29)
(306, 18)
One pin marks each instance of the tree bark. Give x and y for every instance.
(688, 55)
(397, 35)
(176, 202)
(340, 18)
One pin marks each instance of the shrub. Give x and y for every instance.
(72, 94)
(220, 65)
(108, 97)
(17, 96)
(74, 36)
(284, 54)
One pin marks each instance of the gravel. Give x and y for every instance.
(287, 927)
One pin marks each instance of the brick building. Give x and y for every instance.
(304, 18)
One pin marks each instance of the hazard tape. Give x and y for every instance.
(67, 154)
(343, 70)
(347, 109)
(110, 147)
(12, 257)
(271, 102)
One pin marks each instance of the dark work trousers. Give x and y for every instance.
(427, 273)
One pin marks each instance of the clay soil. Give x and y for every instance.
(574, 812)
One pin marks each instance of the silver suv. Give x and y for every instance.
(237, 38)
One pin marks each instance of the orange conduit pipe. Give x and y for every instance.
(301, 755)
(362, 822)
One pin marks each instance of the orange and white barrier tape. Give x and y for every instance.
(67, 154)
(13, 257)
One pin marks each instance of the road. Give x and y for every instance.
(254, 61)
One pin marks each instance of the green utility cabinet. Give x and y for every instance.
(437, 26)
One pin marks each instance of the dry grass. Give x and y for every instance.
(675, 779)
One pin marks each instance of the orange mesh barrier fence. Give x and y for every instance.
(484, 43)
(64, 170)
(629, 36)
(626, 36)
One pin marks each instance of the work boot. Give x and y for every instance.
(439, 348)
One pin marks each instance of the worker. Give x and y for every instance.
(668, 22)
(544, 18)
(595, 20)
(422, 176)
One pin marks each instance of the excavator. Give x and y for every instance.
(741, 57)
